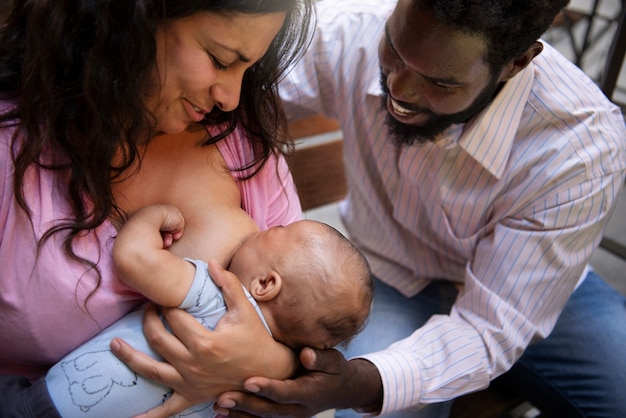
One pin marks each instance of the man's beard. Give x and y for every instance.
(403, 134)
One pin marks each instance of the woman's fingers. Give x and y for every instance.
(202, 363)
(172, 406)
(145, 365)
(169, 346)
(231, 288)
(183, 371)
(187, 335)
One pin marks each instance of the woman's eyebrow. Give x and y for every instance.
(240, 56)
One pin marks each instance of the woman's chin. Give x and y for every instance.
(173, 127)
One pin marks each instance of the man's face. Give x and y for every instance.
(432, 76)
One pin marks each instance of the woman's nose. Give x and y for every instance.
(227, 91)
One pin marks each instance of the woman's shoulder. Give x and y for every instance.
(269, 196)
(236, 149)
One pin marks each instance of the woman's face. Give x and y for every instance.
(201, 60)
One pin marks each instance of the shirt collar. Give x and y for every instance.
(488, 137)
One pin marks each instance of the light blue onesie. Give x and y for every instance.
(92, 382)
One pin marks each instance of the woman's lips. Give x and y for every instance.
(195, 113)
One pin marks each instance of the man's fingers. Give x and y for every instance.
(281, 391)
(319, 389)
(287, 391)
(326, 361)
(248, 406)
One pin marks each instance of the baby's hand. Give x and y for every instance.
(168, 239)
(172, 225)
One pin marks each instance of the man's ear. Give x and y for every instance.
(266, 287)
(521, 62)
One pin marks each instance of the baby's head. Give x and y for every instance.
(313, 285)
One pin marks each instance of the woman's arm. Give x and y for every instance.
(143, 261)
(201, 363)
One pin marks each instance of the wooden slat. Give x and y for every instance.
(318, 173)
(313, 125)
(614, 247)
(615, 57)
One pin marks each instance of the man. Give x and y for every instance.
(477, 157)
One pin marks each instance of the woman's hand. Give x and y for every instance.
(329, 382)
(202, 363)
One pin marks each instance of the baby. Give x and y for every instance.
(308, 283)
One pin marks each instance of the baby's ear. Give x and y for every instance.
(266, 287)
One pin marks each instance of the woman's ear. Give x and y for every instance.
(267, 287)
(521, 62)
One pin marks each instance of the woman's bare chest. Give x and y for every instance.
(175, 170)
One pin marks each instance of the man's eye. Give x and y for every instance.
(446, 87)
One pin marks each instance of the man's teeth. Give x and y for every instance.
(400, 110)
(197, 109)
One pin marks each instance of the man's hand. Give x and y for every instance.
(200, 363)
(330, 381)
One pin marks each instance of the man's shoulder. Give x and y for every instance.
(355, 7)
(561, 87)
(554, 70)
(564, 99)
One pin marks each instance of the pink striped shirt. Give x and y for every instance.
(511, 204)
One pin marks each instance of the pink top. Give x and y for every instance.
(42, 312)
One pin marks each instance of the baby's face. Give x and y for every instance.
(307, 326)
(321, 301)
(258, 252)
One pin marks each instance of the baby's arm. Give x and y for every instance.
(142, 260)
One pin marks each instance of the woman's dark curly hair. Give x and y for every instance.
(509, 26)
(78, 71)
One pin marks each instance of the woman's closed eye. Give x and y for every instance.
(217, 63)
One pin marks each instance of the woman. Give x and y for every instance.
(90, 89)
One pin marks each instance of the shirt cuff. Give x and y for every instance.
(401, 379)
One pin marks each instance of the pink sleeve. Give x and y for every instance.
(43, 293)
(274, 200)
(270, 196)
